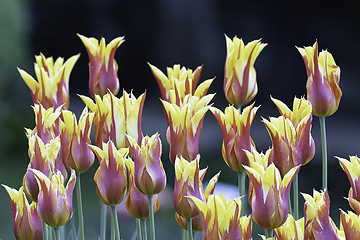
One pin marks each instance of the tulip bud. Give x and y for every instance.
(26, 221)
(102, 67)
(322, 86)
(55, 200)
(240, 85)
(111, 176)
(149, 173)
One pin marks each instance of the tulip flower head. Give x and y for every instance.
(187, 183)
(179, 83)
(351, 225)
(52, 86)
(26, 221)
(81, 157)
(55, 200)
(318, 224)
(269, 195)
(352, 170)
(102, 67)
(210, 188)
(137, 203)
(111, 176)
(221, 219)
(240, 85)
(42, 158)
(235, 128)
(322, 86)
(292, 143)
(149, 173)
(46, 123)
(185, 125)
(291, 229)
(116, 116)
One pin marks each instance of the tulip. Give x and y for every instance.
(47, 128)
(137, 203)
(210, 188)
(187, 183)
(291, 229)
(291, 136)
(351, 224)
(102, 67)
(26, 221)
(46, 123)
(179, 83)
(111, 176)
(269, 194)
(240, 85)
(235, 128)
(114, 117)
(42, 158)
(149, 173)
(185, 125)
(52, 86)
(55, 200)
(235, 227)
(352, 170)
(318, 224)
(322, 86)
(221, 219)
(301, 109)
(81, 157)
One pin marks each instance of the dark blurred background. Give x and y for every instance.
(191, 33)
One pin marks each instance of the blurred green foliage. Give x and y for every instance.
(15, 110)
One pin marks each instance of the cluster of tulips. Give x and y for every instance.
(130, 166)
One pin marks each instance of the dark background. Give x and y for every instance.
(167, 32)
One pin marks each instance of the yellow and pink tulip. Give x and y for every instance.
(317, 222)
(81, 157)
(149, 173)
(26, 221)
(322, 86)
(292, 142)
(269, 192)
(137, 203)
(240, 85)
(185, 125)
(235, 128)
(55, 200)
(52, 86)
(116, 116)
(111, 177)
(352, 170)
(103, 68)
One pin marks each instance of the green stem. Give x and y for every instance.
(241, 185)
(324, 152)
(115, 222)
(185, 234)
(138, 229)
(296, 196)
(143, 228)
(103, 212)
(290, 207)
(45, 230)
(79, 204)
(189, 228)
(269, 233)
(51, 233)
(151, 216)
(57, 233)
